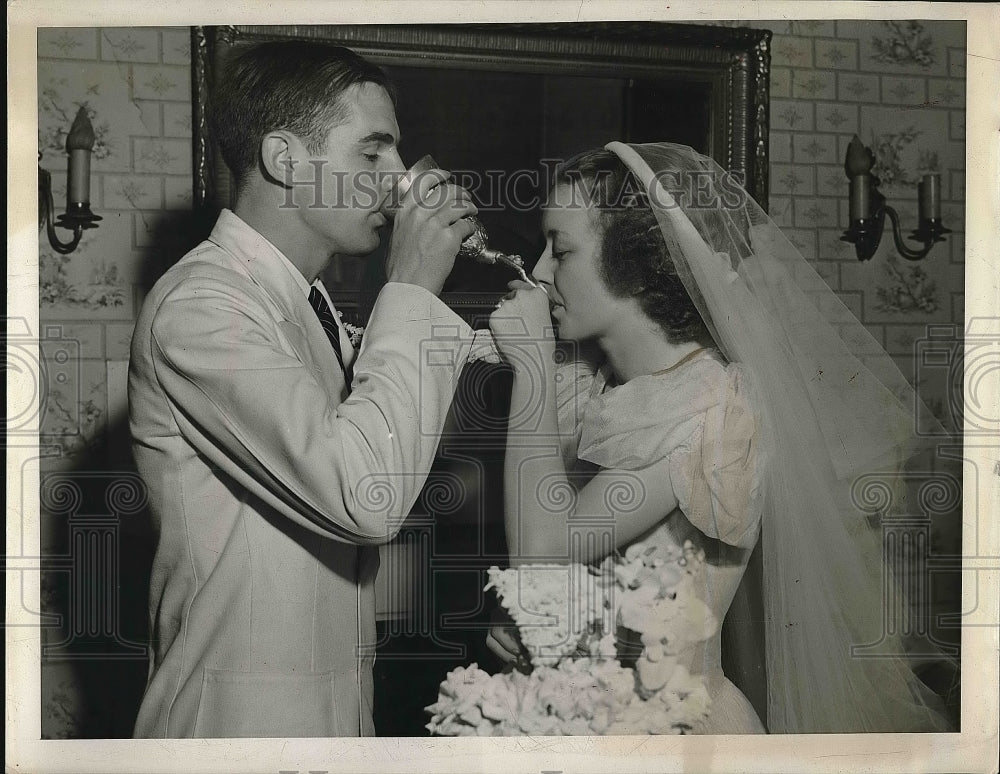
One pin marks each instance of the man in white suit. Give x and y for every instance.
(271, 478)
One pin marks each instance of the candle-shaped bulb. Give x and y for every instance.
(79, 143)
(859, 160)
(929, 200)
(860, 197)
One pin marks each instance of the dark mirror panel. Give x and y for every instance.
(658, 110)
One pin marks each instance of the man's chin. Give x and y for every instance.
(368, 247)
(379, 234)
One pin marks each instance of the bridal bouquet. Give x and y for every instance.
(567, 617)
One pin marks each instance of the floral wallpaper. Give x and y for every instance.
(900, 86)
(907, 290)
(904, 42)
(135, 86)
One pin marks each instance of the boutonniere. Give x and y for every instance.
(354, 332)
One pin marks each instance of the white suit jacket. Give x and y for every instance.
(269, 491)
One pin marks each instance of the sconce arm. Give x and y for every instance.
(897, 237)
(62, 247)
(76, 221)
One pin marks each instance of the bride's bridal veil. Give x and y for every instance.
(832, 406)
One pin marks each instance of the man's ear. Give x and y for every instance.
(281, 153)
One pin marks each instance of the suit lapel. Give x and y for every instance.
(318, 350)
(300, 324)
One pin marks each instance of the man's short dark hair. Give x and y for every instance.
(292, 85)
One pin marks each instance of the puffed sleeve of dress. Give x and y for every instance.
(698, 424)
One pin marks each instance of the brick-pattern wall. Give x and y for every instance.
(900, 86)
(136, 85)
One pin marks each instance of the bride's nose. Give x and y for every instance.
(544, 269)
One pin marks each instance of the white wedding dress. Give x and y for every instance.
(695, 424)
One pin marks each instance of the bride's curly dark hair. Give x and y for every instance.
(635, 261)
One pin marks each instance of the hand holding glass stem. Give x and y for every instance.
(474, 246)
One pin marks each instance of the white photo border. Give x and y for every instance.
(974, 749)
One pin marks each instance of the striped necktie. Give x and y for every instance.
(322, 310)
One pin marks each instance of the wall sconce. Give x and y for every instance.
(79, 145)
(868, 208)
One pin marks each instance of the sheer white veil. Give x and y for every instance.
(831, 405)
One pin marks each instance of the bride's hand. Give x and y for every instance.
(522, 326)
(502, 639)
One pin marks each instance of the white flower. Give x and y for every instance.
(554, 606)
(354, 332)
(566, 616)
(654, 673)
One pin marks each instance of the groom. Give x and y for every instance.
(272, 477)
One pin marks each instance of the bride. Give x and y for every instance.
(731, 397)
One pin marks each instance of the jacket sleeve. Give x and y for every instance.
(351, 470)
